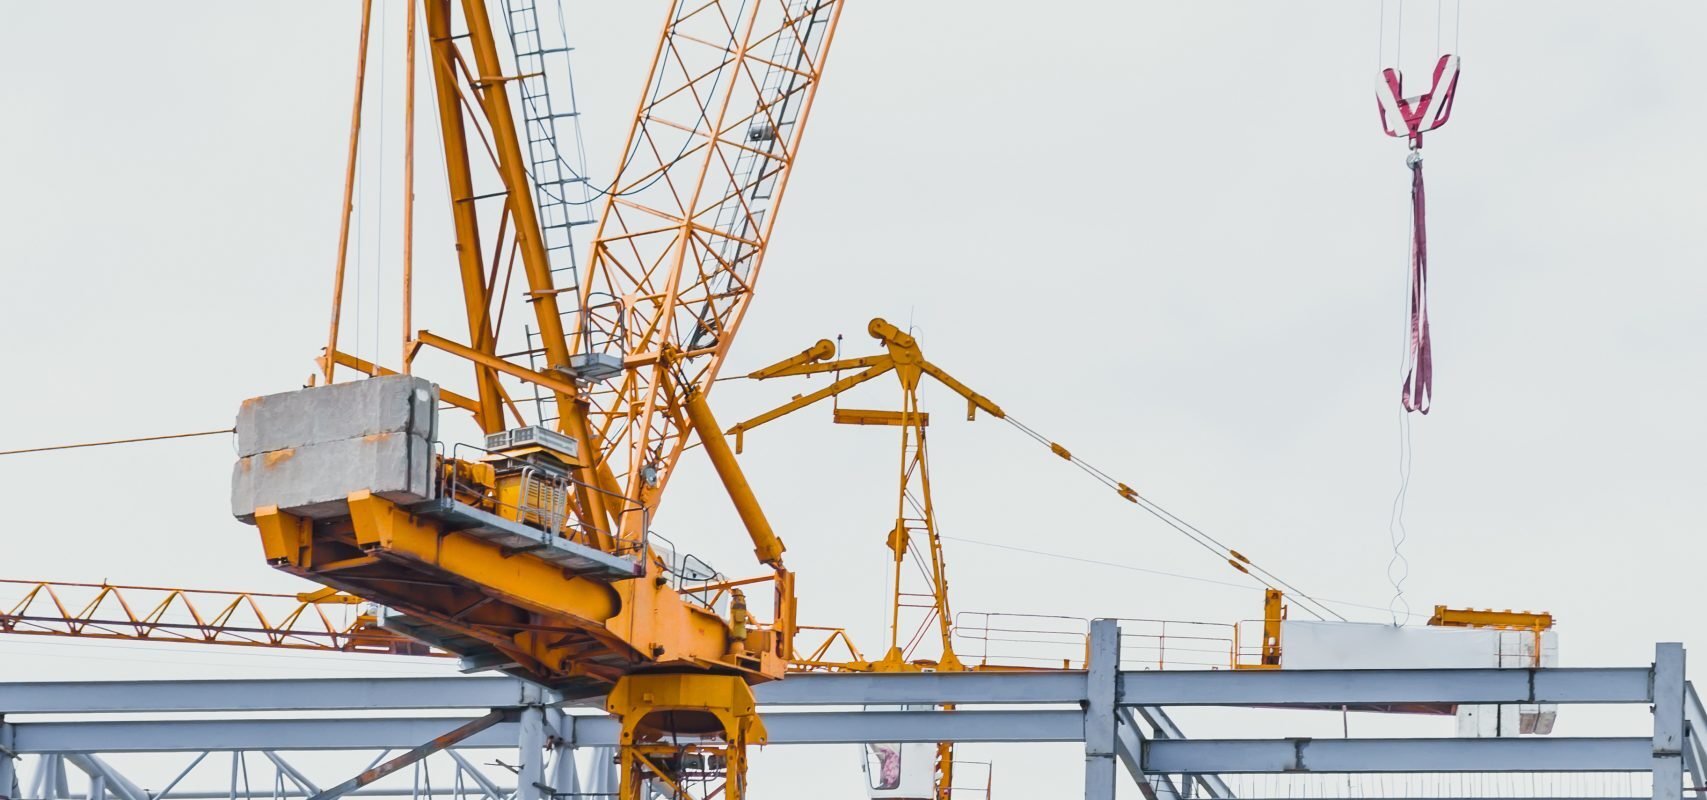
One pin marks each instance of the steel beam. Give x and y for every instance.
(1129, 748)
(924, 688)
(1166, 728)
(859, 727)
(414, 754)
(1228, 756)
(1384, 687)
(295, 694)
(166, 736)
(816, 727)
(1148, 688)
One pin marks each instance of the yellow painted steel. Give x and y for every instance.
(915, 515)
(198, 616)
(766, 545)
(1489, 618)
(677, 255)
(717, 711)
(1273, 614)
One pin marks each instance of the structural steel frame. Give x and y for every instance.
(1118, 715)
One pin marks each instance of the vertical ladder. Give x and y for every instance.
(557, 159)
(754, 174)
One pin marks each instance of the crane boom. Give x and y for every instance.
(163, 614)
(687, 220)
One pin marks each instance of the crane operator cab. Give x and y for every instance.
(899, 770)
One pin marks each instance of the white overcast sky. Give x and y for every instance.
(1169, 235)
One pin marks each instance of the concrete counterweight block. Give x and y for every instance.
(306, 451)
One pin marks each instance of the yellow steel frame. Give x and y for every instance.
(718, 713)
(677, 254)
(915, 515)
(684, 233)
(1489, 618)
(164, 614)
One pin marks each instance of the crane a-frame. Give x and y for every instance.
(534, 555)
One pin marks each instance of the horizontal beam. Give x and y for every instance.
(175, 736)
(860, 727)
(1562, 754)
(817, 727)
(1147, 688)
(924, 688)
(1385, 687)
(293, 694)
(838, 727)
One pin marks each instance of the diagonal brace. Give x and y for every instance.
(378, 771)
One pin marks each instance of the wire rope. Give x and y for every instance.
(1191, 532)
(108, 442)
(1145, 570)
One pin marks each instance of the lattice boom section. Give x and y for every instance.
(687, 219)
(322, 620)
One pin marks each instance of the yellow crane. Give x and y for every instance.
(534, 554)
(920, 596)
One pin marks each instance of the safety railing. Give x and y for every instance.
(972, 779)
(695, 580)
(1248, 651)
(542, 500)
(1059, 642)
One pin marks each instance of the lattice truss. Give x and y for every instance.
(687, 219)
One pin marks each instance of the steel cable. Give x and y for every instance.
(1233, 557)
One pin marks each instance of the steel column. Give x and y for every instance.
(530, 753)
(1101, 687)
(1695, 749)
(8, 763)
(602, 778)
(1668, 721)
(49, 781)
